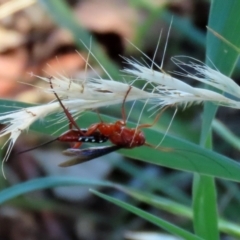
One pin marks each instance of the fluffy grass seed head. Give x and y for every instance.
(20, 120)
(77, 96)
(173, 91)
(81, 95)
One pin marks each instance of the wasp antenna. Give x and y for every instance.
(169, 125)
(162, 149)
(67, 113)
(43, 144)
(123, 104)
(99, 115)
(155, 120)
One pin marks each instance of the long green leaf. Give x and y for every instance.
(47, 182)
(177, 209)
(205, 207)
(150, 218)
(231, 138)
(181, 154)
(224, 19)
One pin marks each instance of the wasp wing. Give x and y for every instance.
(87, 154)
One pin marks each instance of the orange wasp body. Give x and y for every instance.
(117, 133)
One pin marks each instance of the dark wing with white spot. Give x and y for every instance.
(87, 154)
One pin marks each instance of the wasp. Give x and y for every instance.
(117, 133)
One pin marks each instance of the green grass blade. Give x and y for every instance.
(183, 155)
(205, 207)
(177, 209)
(223, 55)
(150, 218)
(220, 129)
(47, 182)
(156, 182)
(224, 58)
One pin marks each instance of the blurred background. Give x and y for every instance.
(36, 39)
